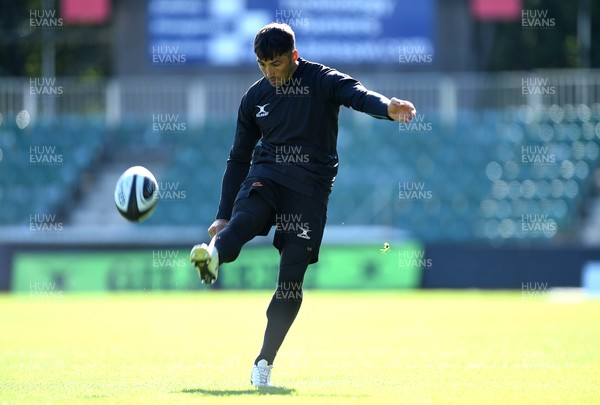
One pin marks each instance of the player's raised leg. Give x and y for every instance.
(250, 216)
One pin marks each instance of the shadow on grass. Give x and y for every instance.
(249, 391)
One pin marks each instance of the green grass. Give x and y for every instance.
(371, 348)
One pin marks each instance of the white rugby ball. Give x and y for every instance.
(136, 194)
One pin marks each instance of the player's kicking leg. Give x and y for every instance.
(250, 216)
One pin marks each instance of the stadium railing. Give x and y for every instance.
(215, 96)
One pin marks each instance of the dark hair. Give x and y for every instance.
(273, 40)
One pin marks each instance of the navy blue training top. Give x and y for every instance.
(289, 134)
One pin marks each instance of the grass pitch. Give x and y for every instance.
(345, 347)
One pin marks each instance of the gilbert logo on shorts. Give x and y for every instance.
(304, 233)
(261, 110)
(257, 184)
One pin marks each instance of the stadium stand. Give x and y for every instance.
(480, 172)
(49, 159)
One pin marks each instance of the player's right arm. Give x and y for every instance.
(247, 134)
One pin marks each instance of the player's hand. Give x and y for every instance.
(401, 110)
(217, 226)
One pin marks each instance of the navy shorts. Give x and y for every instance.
(298, 218)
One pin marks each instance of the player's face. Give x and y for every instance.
(280, 68)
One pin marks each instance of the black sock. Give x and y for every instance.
(286, 301)
(281, 313)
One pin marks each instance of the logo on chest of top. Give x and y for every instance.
(261, 110)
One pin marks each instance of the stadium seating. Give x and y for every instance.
(476, 177)
(43, 164)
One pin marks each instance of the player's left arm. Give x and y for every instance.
(348, 91)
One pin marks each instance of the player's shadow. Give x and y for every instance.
(249, 391)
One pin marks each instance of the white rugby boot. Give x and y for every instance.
(206, 260)
(261, 374)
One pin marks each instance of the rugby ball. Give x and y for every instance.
(136, 194)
